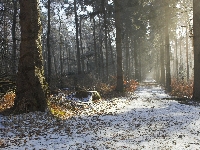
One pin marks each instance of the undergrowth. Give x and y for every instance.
(107, 90)
(182, 89)
(67, 108)
(7, 101)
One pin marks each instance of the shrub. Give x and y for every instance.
(182, 89)
(7, 100)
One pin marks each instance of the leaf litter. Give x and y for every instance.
(141, 120)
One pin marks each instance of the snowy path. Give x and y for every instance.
(143, 121)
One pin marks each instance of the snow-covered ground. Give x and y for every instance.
(142, 121)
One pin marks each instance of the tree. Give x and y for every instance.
(136, 59)
(31, 85)
(196, 29)
(167, 47)
(48, 43)
(106, 37)
(77, 40)
(119, 86)
(14, 36)
(162, 64)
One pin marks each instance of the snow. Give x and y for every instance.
(1, 126)
(142, 120)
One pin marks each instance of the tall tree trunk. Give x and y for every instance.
(67, 55)
(95, 45)
(61, 56)
(162, 65)
(119, 86)
(129, 64)
(5, 43)
(77, 40)
(168, 74)
(48, 44)
(157, 66)
(81, 45)
(196, 24)
(132, 58)
(100, 62)
(31, 85)
(106, 37)
(180, 60)
(176, 68)
(187, 52)
(45, 54)
(112, 58)
(140, 62)
(136, 60)
(127, 55)
(14, 37)
(54, 63)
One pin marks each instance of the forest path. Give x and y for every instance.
(150, 89)
(143, 120)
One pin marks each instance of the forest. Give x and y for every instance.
(80, 59)
(104, 44)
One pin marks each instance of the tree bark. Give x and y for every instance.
(5, 42)
(77, 40)
(140, 62)
(14, 37)
(127, 55)
(100, 52)
(48, 44)
(81, 44)
(162, 65)
(106, 37)
(61, 56)
(157, 66)
(132, 57)
(119, 86)
(196, 24)
(168, 74)
(112, 57)
(95, 46)
(136, 60)
(187, 53)
(176, 59)
(31, 85)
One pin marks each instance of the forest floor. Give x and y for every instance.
(147, 119)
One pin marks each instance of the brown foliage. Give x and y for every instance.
(131, 85)
(108, 90)
(181, 89)
(7, 101)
